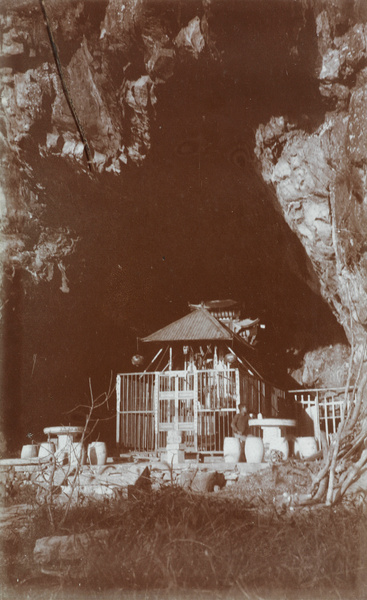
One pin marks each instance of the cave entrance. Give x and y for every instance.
(195, 221)
(216, 229)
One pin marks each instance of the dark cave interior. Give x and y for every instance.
(195, 221)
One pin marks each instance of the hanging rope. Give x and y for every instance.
(65, 88)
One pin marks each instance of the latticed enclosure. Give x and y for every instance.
(200, 404)
(321, 410)
(203, 367)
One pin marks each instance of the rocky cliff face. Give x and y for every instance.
(320, 175)
(227, 156)
(114, 58)
(113, 63)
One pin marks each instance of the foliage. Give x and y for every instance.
(174, 539)
(16, 488)
(346, 457)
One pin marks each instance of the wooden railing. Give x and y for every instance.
(135, 424)
(324, 407)
(218, 396)
(201, 404)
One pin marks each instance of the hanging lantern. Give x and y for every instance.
(230, 358)
(137, 360)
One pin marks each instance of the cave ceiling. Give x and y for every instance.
(216, 150)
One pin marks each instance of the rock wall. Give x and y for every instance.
(319, 174)
(111, 69)
(113, 59)
(117, 56)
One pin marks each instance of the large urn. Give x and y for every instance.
(231, 449)
(254, 449)
(97, 453)
(305, 447)
(29, 451)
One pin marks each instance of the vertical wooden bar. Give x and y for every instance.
(134, 405)
(123, 400)
(238, 393)
(118, 409)
(149, 404)
(156, 410)
(126, 381)
(332, 400)
(137, 409)
(123, 416)
(145, 415)
(138, 404)
(131, 416)
(317, 420)
(132, 424)
(326, 419)
(127, 405)
(130, 405)
(176, 413)
(134, 402)
(129, 423)
(151, 421)
(196, 402)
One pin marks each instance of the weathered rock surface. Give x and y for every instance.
(319, 175)
(67, 548)
(111, 73)
(325, 367)
(115, 111)
(196, 481)
(121, 62)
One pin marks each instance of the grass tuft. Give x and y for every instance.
(171, 538)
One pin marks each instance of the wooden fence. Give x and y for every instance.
(135, 424)
(322, 410)
(201, 404)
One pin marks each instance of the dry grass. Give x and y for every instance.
(260, 489)
(172, 539)
(209, 542)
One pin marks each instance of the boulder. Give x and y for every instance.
(190, 38)
(198, 481)
(67, 548)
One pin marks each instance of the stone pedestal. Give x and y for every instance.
(175, 450)
(174, 458)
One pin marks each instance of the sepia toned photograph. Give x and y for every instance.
(183, 199)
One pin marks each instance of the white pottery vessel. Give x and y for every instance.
(29, 451)
(46, 450)
(254, 449)
(97, 453)
(231, 449)
(305, 447)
